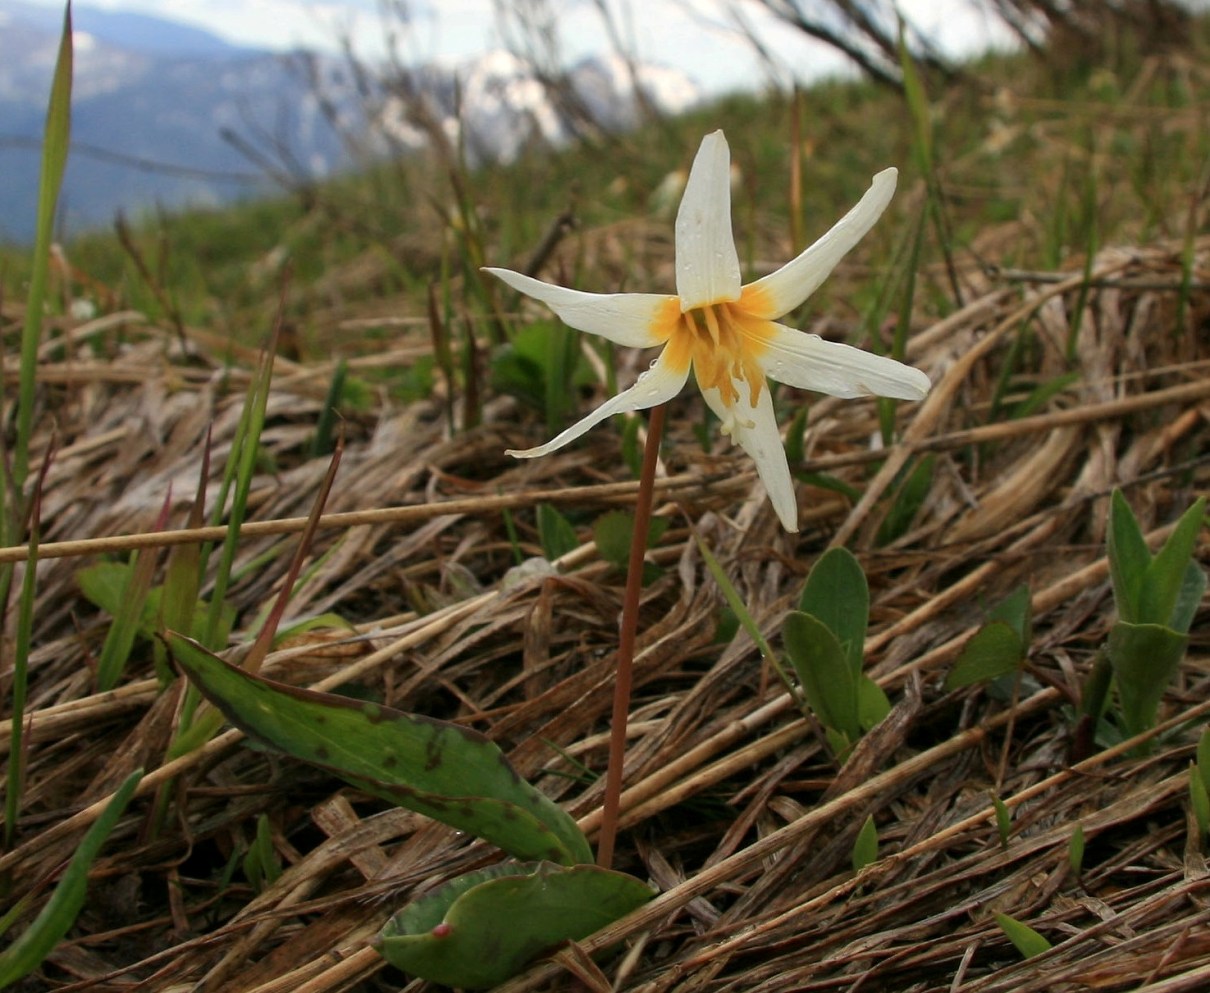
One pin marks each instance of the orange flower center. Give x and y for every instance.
(723, 341)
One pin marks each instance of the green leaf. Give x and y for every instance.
(1203, 757)
(873, 705)
(1166, 574)
(1004, 820)
(907, 501)
(56, 140)
(1026, 940)
(1016, 610)
(483, 928)
(1075, 849)
(994, 651)
(450, 773)
(1144, 657)
(744, 618)
(37, 941)
(865, 848)
(555, 532)
(823, 669)
(614, 532)
(837, 594)
(1199, 801)
(1188, 599)
(1129, 558)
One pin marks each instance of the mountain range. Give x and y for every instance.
(168, 115)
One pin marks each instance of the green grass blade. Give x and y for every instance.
(37, 941)
(56, 138)
(740, 609)
(1025, 939)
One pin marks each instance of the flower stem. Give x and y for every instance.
(626, 640)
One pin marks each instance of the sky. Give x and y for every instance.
(695, 36)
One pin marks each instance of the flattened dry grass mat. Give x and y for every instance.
(235, 868)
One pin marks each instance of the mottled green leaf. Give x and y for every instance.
(994, 651)
(1026, 940)
(450, 773)
(481, 929)
(837, 594)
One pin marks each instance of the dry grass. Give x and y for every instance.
(733, 807)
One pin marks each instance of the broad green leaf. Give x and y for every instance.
(450, 773)
(1016, 610)
(37, 941)
(837, 594)
(1144, 659)
(555, 532)
(873, 705)
(1129, 558)
(483, 928)
(865, 848)
(994, 651)
(1026, 940)
(1165, 576)
(614, 532)
(823, 670)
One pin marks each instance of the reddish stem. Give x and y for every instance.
(626, 640)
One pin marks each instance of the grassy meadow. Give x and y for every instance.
(281, 428)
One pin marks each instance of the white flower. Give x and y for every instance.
(728, 332)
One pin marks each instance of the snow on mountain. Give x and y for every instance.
(153, 100)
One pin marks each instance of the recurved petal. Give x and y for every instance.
(625, 318)
(707, 267)
(797, 358)
(783, 290)
(754, 429)
(657, 385)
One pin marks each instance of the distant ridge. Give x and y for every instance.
(152, 99)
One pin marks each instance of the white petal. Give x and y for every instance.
(707, 268)
(796, 280)
(810, 363)
(624, 318)
(755, 430)
(657, 385)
